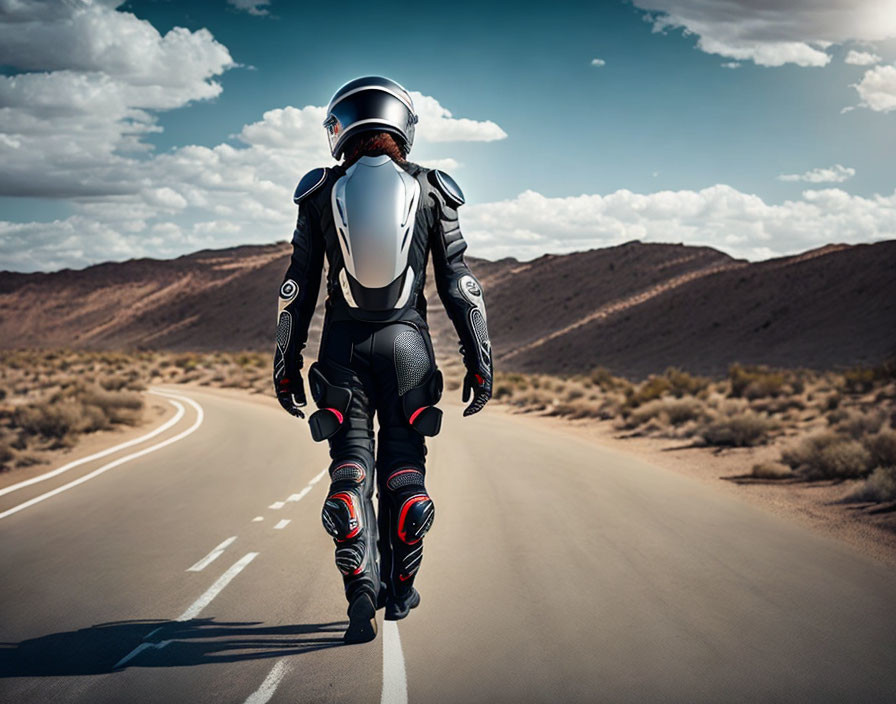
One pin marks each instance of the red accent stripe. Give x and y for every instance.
(404, 512)
(335, 413)
(417, 413)
(479, 379)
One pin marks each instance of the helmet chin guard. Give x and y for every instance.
(370, 104)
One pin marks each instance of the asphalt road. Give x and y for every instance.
(556, 571)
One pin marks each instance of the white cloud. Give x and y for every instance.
(598, 62)
(94, 77)
(833, 174)
(719, 216)
(253, 7)
(877, 89)
(731, 64)
(447, 164)
(437, 124)
(861, 58)
(775, 33)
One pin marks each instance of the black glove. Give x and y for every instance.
(481, 387)
(290, 387)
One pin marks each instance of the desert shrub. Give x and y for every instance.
(755, 382)
(503, 391)
(117, 406)
(771, 470)
(828, 455)
(667, 411)
(681, 383)
(574, 393)
(879, 487)
(882, 447)
(733, 425)
(6, 455)
(858, 424)
(649, 390)
(601, 376)
(858, 380)
(49, 420)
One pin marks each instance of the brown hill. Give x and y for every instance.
(635, 308)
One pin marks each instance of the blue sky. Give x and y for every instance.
(682, 134)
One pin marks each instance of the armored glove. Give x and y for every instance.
(290, 386)
(480, 385)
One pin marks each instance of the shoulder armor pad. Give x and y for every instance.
(309, 184)
(448, 186)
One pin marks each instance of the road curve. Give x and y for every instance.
(557, 570)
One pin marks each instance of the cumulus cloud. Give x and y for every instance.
(253, 7)
(598, 62)
(877, 89)
(92, 80)
(861, 58)
(773, 34)
(437, 124)
(833, 174)
(719, 216)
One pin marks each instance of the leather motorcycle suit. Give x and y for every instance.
(377, 223)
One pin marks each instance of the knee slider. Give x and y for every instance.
(332, 401)
(415, 518)
(342, 515)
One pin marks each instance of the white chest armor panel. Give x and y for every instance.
(374, 208)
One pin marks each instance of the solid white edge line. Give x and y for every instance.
(97, 455)
(263, 694)
(212, 556)
(115, 463)
(197, 606)
(282, 524)
(395, 684)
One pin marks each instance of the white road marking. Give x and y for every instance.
(211, 557)
(111, 465)
(264, 693)
(197, 606)
(317, 478)
(97, 455)
(152, 633)
(300, 495)
(257, 519)
(395, 684)
(282, 524)
(139, 649)
(276, 505)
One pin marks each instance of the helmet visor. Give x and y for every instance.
(370, 108)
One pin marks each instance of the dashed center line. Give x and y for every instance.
(277, 505)
(257, 519)
(264, 693)
(282, 524)
(212, 556)
(197, 606)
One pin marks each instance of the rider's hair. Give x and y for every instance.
(373, 144)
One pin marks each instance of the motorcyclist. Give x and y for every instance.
(377, 219)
